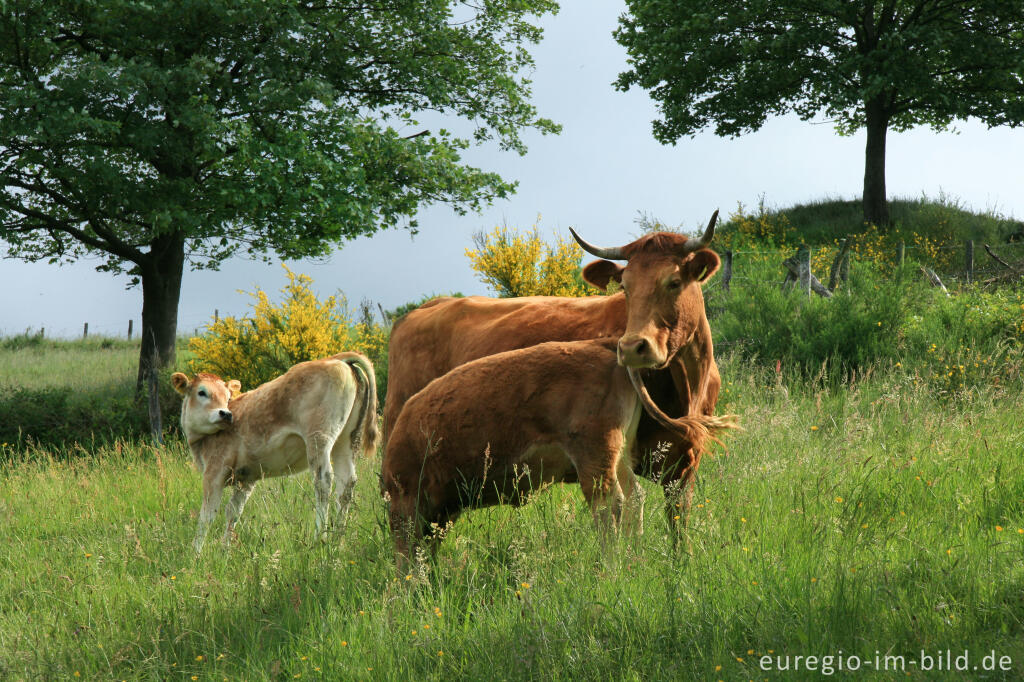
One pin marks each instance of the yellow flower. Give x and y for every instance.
(199, 658)
(814, 428)
(718, 668)
(839, 499)
(999, 528)
(440, 653)
(344, 643)
(525, 586)
(814, 580)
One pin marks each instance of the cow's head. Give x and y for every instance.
(204, 409)
(662, 281)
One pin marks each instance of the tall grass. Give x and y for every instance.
(856, 515)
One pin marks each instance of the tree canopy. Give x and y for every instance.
(874, 64)
(163, 133)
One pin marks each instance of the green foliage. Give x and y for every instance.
(732, 65)
(517, 264)
(856, 328)
(155, 134)
(263, 346)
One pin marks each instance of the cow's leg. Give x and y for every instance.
(679, 497)
(597, 466)
(633, 499)
(318, 454)
(344, 465)
(213, 486)
(234, 509)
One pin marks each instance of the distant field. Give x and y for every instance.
(865, 516)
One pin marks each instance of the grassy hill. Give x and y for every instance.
(825, 220)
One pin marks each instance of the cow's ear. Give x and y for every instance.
(180, 382)
(703, 264)
(601, 272)
(235, 386)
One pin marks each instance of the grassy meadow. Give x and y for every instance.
(860, 513)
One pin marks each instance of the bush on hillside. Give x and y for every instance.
(257, 348)
(515, 264)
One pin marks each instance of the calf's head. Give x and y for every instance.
(204, 409)
(662, 281)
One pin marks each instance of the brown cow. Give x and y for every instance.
(495, 429)
(315, 416)
(447, 332)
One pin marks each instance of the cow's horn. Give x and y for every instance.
(611, 254)
(692, 244)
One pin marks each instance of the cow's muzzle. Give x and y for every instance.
(225, 416)
(637, 351)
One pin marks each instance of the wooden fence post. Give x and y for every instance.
(216, 316)
(901, 250)
(726, 270)
(969, 260)
(803, 264)
(85, 331)
(837, 264)
(130, 329)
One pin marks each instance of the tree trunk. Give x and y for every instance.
(161, 289)
(876, 209)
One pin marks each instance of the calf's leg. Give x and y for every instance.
(318, 454)
(213, 487)
(234, 509)
(343, 462)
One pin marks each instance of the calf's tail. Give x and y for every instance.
(366, 434)
(695, 429)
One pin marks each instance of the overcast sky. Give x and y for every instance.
(595, 176)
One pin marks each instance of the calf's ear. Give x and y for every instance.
(180, 382)
(703, 264)
(601, 272)
(235, 386)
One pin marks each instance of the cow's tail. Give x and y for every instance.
(696, 429)
(366, 434)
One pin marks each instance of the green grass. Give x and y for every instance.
(858, 516)
(58, 392)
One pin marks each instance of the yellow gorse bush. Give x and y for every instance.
(515, 264)
(255, 349)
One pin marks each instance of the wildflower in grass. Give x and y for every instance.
(302, 658)
(718, 668)
(88, 556)
(362, 613)
(344, 643)
(750, 652)
(1021, 531)
(676, 517)
(839, 499)
(174, 577)
(426, 627)
(743, 519)
(195, 677)
(525, 586)
(440, 653)
(78, 674)
(409, 577)
(414, 632)
(864, 525)
(199, 658)
(221, 657)
(999, 529)
(814, 428)
(814, 580)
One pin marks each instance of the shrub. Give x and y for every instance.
(260, 347)
(514, 264)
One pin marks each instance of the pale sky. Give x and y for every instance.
(595, 176)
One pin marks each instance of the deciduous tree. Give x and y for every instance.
(872, 64)
(161, 134)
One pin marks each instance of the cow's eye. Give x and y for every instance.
(675, 284)
(202, 393)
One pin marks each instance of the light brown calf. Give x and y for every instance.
(494, 429)
(316, 416)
